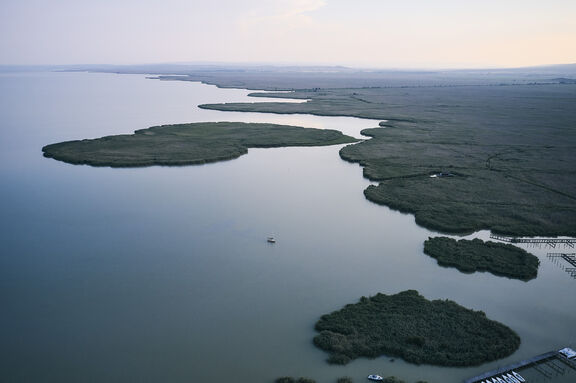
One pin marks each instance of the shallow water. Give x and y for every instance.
(164, 275)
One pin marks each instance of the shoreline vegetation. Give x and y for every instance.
(408, 326)
(510, 150)
(470, 256)
(343, 379)
(189, 144)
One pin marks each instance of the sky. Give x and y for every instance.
(362, 33)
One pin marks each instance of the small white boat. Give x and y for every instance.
(500, 380)
(506, 379)
(518, 376)
(568, 353)
(512, 378)
(271, 240)
(375, 378)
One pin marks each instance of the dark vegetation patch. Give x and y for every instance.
(406, 325)
(289, 379)
(188, 144)
(393, 379)
(476, 255)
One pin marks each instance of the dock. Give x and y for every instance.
(549, 364)
(569, 258)
(546, 241)
(534, 361)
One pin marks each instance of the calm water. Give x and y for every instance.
(164, 275)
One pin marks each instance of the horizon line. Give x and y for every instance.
(294, 65)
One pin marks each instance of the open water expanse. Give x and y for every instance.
(163, 274)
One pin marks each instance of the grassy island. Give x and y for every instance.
(476, 255)
(188, 144)
(406, 325)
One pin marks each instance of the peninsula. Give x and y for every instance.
(189, 144)
(509, 151)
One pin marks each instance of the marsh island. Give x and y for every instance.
(407, 325)
(476, 255)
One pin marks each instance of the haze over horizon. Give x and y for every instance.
(366, 33)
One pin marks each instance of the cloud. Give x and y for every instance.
(282, 14)
(300, 7)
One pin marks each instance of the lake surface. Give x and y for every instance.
(163, 274)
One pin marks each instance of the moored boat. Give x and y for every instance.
(518, 376)
(375, 378)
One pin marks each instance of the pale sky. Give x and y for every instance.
(374, 33)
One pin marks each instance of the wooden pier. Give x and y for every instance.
(570, 258)
(546, 241)
(532, 362)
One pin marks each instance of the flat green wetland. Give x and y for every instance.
(512, 150)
